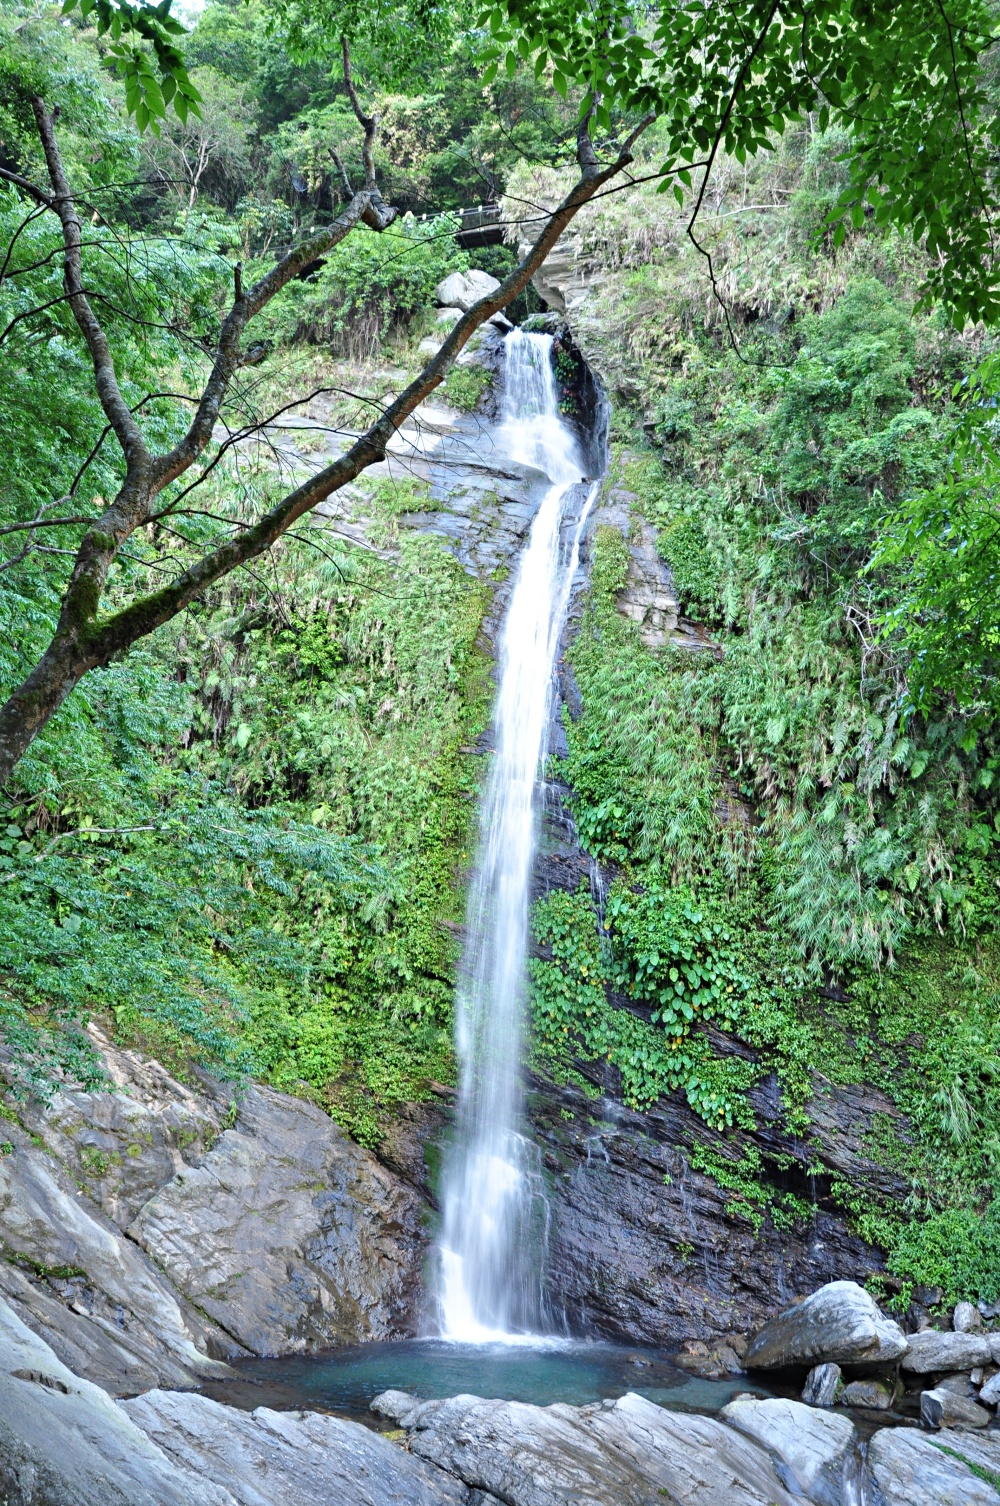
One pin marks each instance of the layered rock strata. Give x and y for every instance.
(150, 1232)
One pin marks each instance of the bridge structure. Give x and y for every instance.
(479, 225)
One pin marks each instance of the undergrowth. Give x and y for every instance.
(253, 858)
(798, 863)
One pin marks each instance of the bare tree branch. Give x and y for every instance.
(105, 378)
(83, 639)
(26, 186)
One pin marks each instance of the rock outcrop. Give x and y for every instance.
(72, 1275)
(64, 1442)
(815, 1453)
(632, 1453)
(905, 1468)
(152, 1231)
(628, 1452)
(288, 1234)
(267, 1458)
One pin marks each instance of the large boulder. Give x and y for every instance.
(64, 1442)
(267, 1458)
(814, 1453)
(838, 1324)
(932, 1351)
(460, 290)
(905, 1468)
(288, 1234)
(628, 1452)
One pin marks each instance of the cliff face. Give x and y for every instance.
(152, 1229)
(660, 1229)
(646, 1249)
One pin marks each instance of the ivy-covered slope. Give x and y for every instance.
(242, 847)
(796, 857)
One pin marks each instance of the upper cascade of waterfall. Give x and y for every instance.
(532, 429)
(493, 1197)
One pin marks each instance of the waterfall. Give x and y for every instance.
(490, 1266)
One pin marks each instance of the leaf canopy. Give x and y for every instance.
(905, 78)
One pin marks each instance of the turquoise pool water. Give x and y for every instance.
(346, 1380)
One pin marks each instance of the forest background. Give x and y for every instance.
(244, 845)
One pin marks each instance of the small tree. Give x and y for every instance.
(903, 76)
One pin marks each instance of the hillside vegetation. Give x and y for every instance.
(245, 844)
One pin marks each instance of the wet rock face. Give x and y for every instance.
(582, 400)
(644, 1249)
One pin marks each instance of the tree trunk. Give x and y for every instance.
(58, 671)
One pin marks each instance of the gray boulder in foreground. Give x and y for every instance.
(628, 1452)
(944, 1409)
(905, 1468)
(840, 1323)
(814, 1453)
(267, 1458)
(64, 1442)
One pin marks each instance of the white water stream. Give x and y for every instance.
(490, 1252)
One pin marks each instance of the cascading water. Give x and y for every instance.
(490, 1266)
